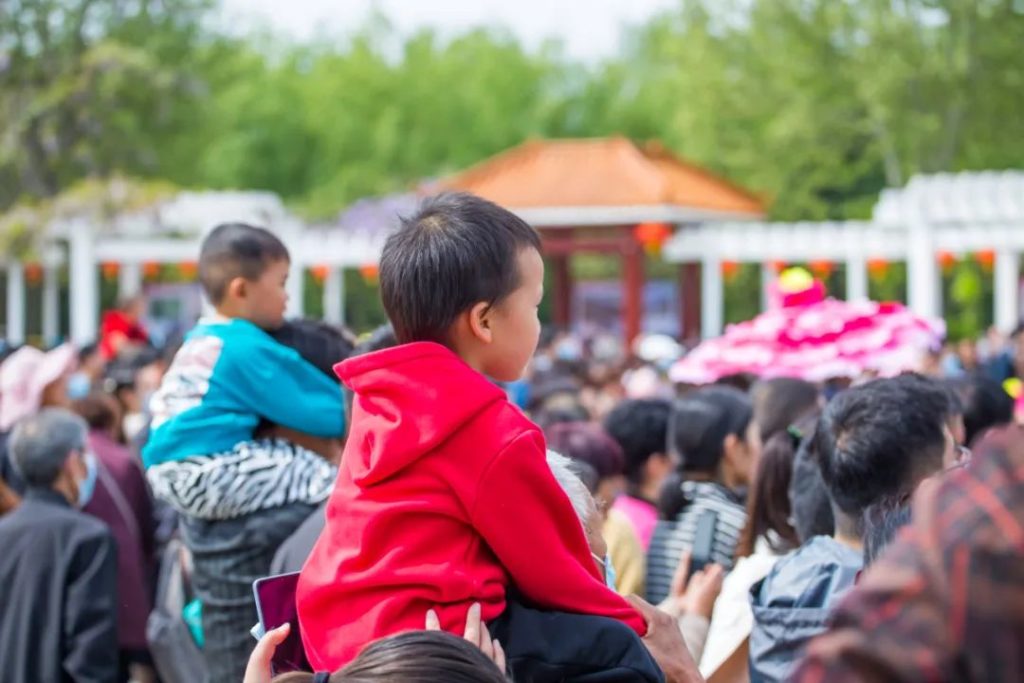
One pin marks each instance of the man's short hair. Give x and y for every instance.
(320, 344)
(880, 439)
(455, 252)
(984, 405)
(42, 443)
(234, 250)
(640, 426)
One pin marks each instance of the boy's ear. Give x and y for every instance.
(237, 288)
(479, 322)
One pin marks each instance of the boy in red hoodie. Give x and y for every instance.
(444, 497)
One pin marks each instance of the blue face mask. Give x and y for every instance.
(87, 486)
(609, 570)
(79, 386)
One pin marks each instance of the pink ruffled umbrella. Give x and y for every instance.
(806, 335)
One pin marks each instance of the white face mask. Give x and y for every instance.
(133, 424)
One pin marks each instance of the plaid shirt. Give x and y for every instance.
(946, 601)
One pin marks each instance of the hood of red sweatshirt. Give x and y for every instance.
(408, 400)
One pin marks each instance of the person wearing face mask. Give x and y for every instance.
(30, 379)
(58, 571)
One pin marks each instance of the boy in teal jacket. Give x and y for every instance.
(239, 495)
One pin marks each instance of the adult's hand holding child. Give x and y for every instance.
(476, 632)
(665, 643)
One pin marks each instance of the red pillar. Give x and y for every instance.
(632, 286)
(689, 301)
(561, 280)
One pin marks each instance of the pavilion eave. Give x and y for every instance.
(580, 216)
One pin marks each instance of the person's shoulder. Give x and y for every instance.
(810, 574)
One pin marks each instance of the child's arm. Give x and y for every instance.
(529, 523)
(273, 381)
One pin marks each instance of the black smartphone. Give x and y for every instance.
(275, 606)
(703, 542)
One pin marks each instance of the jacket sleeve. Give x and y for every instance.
(90, 611)
(281, 386)
(529, 523)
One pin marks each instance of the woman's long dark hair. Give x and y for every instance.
(697, 429)
(768, 506)
(414, 657)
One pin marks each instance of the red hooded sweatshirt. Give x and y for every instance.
(444, 498)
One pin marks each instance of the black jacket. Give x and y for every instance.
(58, 594)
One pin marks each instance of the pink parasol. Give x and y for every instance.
(806, 335)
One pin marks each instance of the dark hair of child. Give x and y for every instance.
(458, 250)
(233, 250)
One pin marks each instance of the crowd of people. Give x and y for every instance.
(463, 496)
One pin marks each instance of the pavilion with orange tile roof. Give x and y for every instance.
(608, 195)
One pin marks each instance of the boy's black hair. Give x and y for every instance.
(236, 250)
(880, 439)
(455, 252)
(641, 428)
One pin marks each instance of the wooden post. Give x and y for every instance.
(632, 286)
(689, 301)
(561, 276)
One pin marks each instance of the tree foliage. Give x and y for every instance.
(817, 104)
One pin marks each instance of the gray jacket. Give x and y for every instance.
(792, 604)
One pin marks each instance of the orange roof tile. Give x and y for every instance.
(599, 172)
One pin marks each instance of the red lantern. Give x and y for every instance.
(188, 269)
(730, 269)
(370, 271)
(986, 259)
(110, 270)
(877, 268)
(151, 270)
(652, 234)
(320, 273)
(821, 269)
(946, 260)
(33, 273)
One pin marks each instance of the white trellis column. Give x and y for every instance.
(84, 283)
(768, 277)
(129, 280)
(290, 232)
(334, 296)
(15, 303)
(712, 298)
(923, 295)
(1007, 290)
(856, 278)
(51, 303)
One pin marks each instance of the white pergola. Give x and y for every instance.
(958, 213)
(171, 232)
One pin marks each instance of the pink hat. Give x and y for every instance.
(25, 374)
